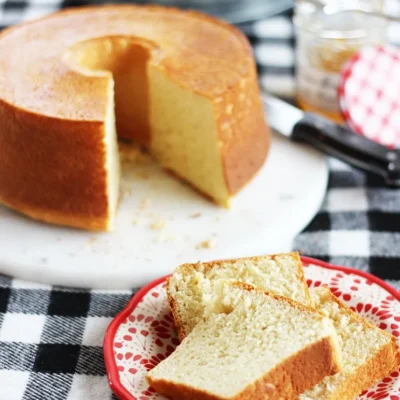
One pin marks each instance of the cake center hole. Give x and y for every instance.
(126, 59)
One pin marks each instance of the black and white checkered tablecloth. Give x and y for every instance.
(51, 337)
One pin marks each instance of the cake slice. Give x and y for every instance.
(368, 353)
(264, 347)
(191, 286)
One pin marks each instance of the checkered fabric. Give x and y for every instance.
(51, 341)
(51, 337)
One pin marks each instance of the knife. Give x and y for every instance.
(335, 140)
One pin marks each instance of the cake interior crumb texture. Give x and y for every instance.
(113, 163)
(194, 289)
(361, 343)
(228, 352)
(184, 128)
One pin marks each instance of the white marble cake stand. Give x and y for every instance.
(163, 223)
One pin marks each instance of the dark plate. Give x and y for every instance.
(234, 11)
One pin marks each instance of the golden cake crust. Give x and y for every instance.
(173, 305)
(34, 164)
(197, 51)
(50, 136)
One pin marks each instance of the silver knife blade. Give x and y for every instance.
(281, 116)
(335, 140)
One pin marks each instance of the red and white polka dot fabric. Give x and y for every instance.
(369, 94)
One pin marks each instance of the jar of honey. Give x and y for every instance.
(329, 32)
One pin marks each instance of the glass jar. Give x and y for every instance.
(329, 32)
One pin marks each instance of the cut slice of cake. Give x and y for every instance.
(191, 286)
(368, 353)
(266, 347)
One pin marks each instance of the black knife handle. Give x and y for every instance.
(342, 143)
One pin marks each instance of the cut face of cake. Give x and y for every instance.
(195, 290)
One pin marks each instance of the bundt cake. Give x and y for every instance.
(179, 83)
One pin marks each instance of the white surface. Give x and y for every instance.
(265, 217)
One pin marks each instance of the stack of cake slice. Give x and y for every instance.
(251, 329)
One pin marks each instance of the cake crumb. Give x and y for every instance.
(131, 154)
(127, 190)
(90, 241)
(159, 224)
(143, 175)
(136, 221)
(207, 244)
(145, 204)
(197, 215)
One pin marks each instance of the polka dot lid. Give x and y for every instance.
(369, 94)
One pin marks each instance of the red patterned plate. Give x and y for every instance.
(143, 333)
